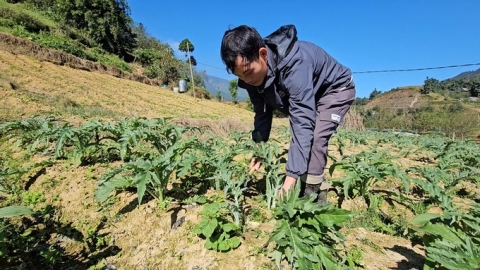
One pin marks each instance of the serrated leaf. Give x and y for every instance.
(280, 231)
(277, 256)
(323, 253)
(334, 217)
(441, 230)
(142, 179)
(103, 191)
(288, 254)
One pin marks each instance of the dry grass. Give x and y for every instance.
(21, 46)
(45, 88)
(354, 120)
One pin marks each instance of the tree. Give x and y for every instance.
(360, 101)
(233, 88)
(430, 85)
(474, 87)
(186, 46)
(375, 93)
(106, 22)
(219, 96)
(146, 41)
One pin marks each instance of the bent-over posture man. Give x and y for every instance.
(299, 79)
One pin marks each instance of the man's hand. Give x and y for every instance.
(289, 183)
(255, 164)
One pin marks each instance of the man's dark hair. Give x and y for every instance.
(242, 40)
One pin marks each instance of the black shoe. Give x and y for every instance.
(308, 189)
(322, 197)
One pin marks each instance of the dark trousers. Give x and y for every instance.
(331, 109)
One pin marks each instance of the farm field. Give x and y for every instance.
(122, 175)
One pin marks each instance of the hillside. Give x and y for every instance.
(30, 87)
(401, 98)
(404, 108)
(467, 74)
(214, 84)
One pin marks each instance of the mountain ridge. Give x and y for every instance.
(214, 84)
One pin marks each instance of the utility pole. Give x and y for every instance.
(191, 72)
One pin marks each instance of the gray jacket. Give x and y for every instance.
(299, 74)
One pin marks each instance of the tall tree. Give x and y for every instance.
(233, 88)
(186, 46)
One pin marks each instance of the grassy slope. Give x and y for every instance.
(405, 97)
(30, 87)
(410, 97)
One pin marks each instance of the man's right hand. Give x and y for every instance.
(255, 164)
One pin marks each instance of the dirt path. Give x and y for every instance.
(414, 101)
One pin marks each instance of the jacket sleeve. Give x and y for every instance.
(298, 80)
(263, 114)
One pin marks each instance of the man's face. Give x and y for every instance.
(253, 72)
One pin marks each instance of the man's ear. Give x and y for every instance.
(263, 53)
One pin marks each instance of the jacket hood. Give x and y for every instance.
(281, 43)
(281, 46)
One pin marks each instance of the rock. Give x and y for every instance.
(110, 266)
(178, 223)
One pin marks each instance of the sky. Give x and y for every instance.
(367, 35)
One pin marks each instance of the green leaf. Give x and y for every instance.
(280, 231)
(324, 254)
(422, 219)
(211, 209)
(210, 245)
(103, 191)
(447, 233)
(229, 227)
(209, 227)
(234, 242)
(142, 179)
(223, 246)
(14, 210)
(277, 256)
(334, 217)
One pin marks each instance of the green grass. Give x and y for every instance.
(19, 20)
(26, 10)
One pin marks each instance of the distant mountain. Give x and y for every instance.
(467, 74)
(215, 84)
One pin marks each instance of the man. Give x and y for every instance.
(299, 79)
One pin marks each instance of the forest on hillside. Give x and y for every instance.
(80, 28)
